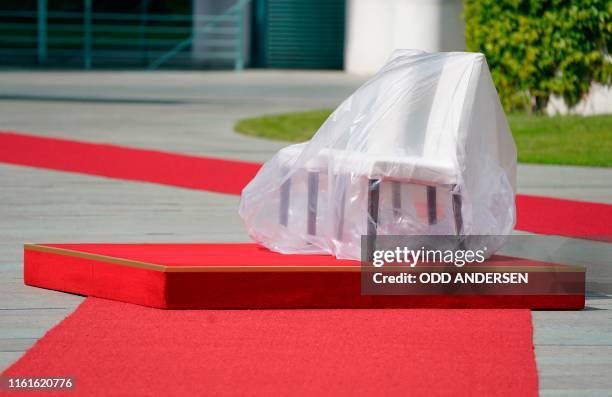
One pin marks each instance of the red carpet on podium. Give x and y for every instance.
(119, 349)
(542, 215)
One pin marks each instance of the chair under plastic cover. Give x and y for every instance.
(422, 148)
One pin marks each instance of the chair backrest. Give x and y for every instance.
(398, 120)
(447, 109)
(419, 105)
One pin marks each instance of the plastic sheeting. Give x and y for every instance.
(422, 148)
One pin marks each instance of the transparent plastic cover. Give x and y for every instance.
(422, 148)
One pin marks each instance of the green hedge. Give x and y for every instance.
(537, 48)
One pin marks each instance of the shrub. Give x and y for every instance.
(537, 48)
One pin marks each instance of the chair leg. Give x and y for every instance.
(313, 198)
(432, 216)
(396, 198)
(341, 184)
(373, 198)
(285, 192)
(457, 214)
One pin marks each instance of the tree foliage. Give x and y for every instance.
(537, 48)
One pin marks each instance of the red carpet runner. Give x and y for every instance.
(202, 173)
(541, 215)
(119, 349)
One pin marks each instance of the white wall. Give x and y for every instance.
(377, 27)
(599, 101)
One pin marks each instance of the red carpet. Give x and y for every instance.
(118, 349)
(541, 215)
(202, 173)
(545, 215)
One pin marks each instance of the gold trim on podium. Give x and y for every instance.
(289, 268)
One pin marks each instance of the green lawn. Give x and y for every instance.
(573, 140)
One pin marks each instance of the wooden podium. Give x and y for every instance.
(248, 276)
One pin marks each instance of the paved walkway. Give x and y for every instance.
(193, 112)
